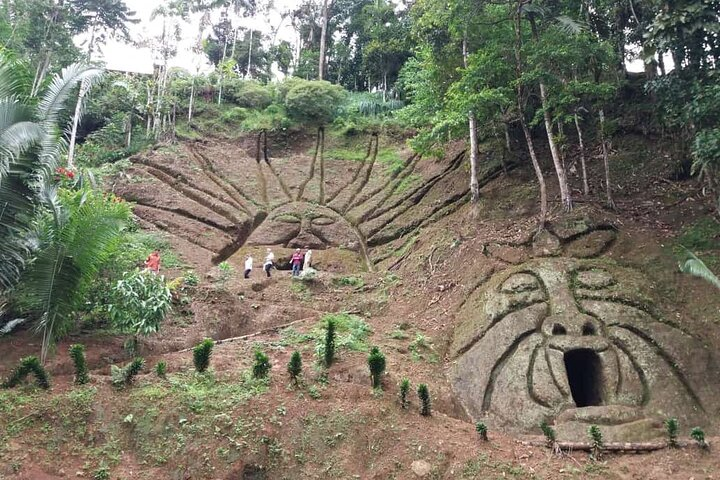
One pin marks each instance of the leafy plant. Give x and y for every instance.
(27, 366)
(226, 271)
(695, 266)
(404, 390)
(376, 364)
(161, 369)
(294, 367)
(596, 442)
(671, 428)
(329, 342)
(122, 377)
(549, 433)
(424, 396)
(482, 430)
(314, 392)
(191, 278)
(262, 365)
(201, 354)
(139, 302)
(698, 435)
(77, 353)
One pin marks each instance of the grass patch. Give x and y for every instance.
(407, 183)
(351, 334)
(355, 282)
(701, 235)
(301, 291)
(391, 159)
(357, 154)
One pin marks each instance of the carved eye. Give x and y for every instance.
(594, 279)
(287, 218)
(520, 282)
(323, 220)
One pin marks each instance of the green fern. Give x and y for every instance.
(424, 396)
(77, 353)
(262, 365)
(27, 366)
(202, 353)
(404, 390)
(376, 364)
(295, 366)
(122, 377)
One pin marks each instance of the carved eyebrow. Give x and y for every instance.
(287, 217)
(520, 282)
(594, 279)
(323, 220)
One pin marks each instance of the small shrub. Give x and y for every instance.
(139, 302)
(671, 428)
(226, 271)
(314, 392)
(404, 390)
(295, 366)
(161, 369)
(77, 353)
(202, 353)
(262, 365)
(549, 432)
(102, 473)
(482, 430)
(330, 342)
(121, 377)
(698, 435)
(424, 396)
(596, 442)
(355, 282)
(27, 366)
(191, 278)
(376, 364)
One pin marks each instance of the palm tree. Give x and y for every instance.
(51, 243)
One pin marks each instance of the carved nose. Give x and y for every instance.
(571, 323)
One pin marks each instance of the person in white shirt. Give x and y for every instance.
(269, 261)
(308, 259)
(248, 266)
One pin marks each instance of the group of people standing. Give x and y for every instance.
(300, 261)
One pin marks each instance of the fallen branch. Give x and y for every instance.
(618, 447)
(250, 335)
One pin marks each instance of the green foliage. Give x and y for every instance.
(702, 235)
(376, 364)
(314, 102)
(201, 354)
(247, 94)
(404, 391)
(695, 266)
(139, 302)
(122, 377)
(273, 119)
(698, 435)
(671, 429)
(262, 365)
(294, 366)
(548, 432)
(26, 366)
(596, 442)
(482, 431)
(101, 473)
(355, 282)
(161, 369)
(329, 350)
(77, 354)
(424, 396)
(191, 278)
(226, 271)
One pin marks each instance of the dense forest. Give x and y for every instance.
(479, 88)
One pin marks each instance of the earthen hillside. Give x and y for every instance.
(587, 323)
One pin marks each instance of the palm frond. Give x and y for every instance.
(569, 25)
(696, 267)
(53, 100)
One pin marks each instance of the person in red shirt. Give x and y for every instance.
(296, 261)
(153, 262)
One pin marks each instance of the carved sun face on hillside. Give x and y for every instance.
(220, 199)
(575, 341)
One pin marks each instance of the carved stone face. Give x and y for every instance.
(304, 224)
(575, 341)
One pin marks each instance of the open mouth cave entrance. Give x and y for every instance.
(584, 371)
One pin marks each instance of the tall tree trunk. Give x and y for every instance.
(249, 75)
(323, 40)
(523, 123)
(472, 127)
(222, 61)
(557, 161)
(84, 87)
(586, 188)
(192, 100)
(606, 162)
